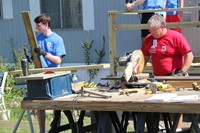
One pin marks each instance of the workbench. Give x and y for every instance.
(135, 103)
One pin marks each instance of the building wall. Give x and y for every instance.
(192, 34)
(125, 39)
(12, 31)
(193, 37)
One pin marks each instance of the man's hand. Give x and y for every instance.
(129, 6)
(39, 51)
(30, 59)
(179, 73)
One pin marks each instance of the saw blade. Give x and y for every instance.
(135, 65)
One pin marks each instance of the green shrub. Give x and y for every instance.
(87, 45)
(13, 94)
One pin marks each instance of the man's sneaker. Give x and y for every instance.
(179, 130)
(162, 128)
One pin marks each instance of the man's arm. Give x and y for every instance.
(130, 6)
(53, 58)
(188, 58)
(181, 5)
(146, 59)
(165, 2)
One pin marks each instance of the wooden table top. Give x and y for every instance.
(135, 102)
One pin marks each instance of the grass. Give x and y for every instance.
(8, 126)
(14, 95)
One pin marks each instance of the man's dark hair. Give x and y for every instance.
(44, 18)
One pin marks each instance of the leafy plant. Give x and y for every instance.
(87, 45)
(101, 53)
(13, 93)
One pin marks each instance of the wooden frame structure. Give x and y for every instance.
(113, 27)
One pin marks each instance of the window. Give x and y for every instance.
(1, 10)
(199, 9)
(6, 9)
(64, 13)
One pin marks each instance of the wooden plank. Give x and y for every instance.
(42, 76)
(139, 75)
(196, 59)
(135, 102)
(67, 68)
(166, 78)
(185, 84)
(112, 47)
(31, 38)
(150, 11)
(179, 78)
(145, 26)
(193, 70)
(112, 78)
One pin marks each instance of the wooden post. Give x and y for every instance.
(112, 44)
(31, 38)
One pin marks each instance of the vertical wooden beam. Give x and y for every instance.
(112, 44)
(31, 38)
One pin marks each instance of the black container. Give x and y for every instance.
(24, 65)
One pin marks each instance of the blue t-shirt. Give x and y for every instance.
(153, 4)
(172, 4)
(52, 44)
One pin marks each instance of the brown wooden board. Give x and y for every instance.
(66, 68)
(177, 81)
(31, 38)
(42, 76)
(135, 102)
(112, 78)
(179, 78)
(140, 76)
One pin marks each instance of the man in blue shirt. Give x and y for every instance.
(174, 16)
(51, 46)
(147, 5)
(51, 50)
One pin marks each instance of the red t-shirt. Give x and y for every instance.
(174, 18)
(167, 53)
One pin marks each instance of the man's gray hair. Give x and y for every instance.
(157, 21)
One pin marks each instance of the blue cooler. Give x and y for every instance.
(47, 86)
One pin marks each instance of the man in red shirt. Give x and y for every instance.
(169, 50)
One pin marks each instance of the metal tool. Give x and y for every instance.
(82, 92)
(127, 92)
